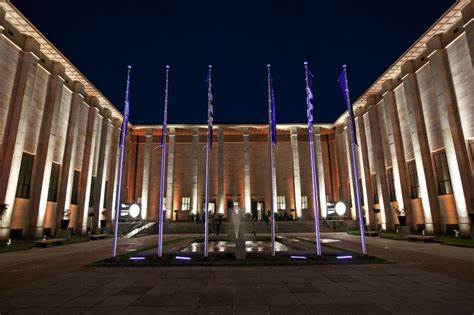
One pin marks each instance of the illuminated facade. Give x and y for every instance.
(415, 130)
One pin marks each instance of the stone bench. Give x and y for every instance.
(97, 236)
(423, 238)
(52, 241)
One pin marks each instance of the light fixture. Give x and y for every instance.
(340, 208)
(183, 258)
(137, 258)
(344, 257)
(298, 257)
(134, 210)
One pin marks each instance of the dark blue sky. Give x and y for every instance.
(239, 38)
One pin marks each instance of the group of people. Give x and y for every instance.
(215, 221)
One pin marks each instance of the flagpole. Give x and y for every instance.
(208, 152)
(164, 131)
(271, 136)
(355, 167)
(123, 135)
(314, 173)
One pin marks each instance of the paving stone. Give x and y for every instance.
(120, 300)
(151, 300)
(215, 299)
(251, 310)
(130, 290)
(215, 310)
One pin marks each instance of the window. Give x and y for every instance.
(391, 184)
(375, 196)
(92, 192)
(24, 178)
(414, 185)
(281, 204)
(304, 202)
(185, 203)
(75, 187)
(442, 173)
(53, 182)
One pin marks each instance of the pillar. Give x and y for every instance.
(350, 171)
(247, 197)
(113, 172)
(380, 168)
(170, 175)
(341, 165)
(365, 172)
(69, 155)
(146, 173)
(400, 169)
(87, 166)
(194, 171)
(41, 171)
(321, 175)
(453, 136)
(220, 169)
(13, 138)
(101, 175)
(421, 149)
(296, 171)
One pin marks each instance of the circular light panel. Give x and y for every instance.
(340, 208)
(134, 210)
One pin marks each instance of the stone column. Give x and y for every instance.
(13, 138)
(321, 176)
(113, 172)
(220, 169)
(146, 173)
(365, 173)
(350, 171)
(69, 155)
(296, 170)
(41, 172)
(87, 166)
(381, 171)
(194, 171)
(468, 21)
(170, 175)
(421, 149)
(400, 169)
(247, 195)
(453, 136)
(341, 165)
(102, 163)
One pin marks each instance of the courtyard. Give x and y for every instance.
(416, 278)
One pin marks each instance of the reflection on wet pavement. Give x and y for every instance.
(225, 246)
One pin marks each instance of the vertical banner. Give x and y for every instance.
(343, 82)
(164, 132)
(314, 173)
(272, 129)
(123, 135)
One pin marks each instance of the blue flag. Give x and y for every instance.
(210, 107)
(273, 125)
(126, 109)
(164, 128)
(309, 96)
(343, 82)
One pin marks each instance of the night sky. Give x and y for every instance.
(238, 38)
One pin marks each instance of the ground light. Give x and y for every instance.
(182, 258)
(298, 257)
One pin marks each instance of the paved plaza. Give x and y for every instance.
(54, 281)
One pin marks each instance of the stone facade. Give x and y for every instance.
(415, 131)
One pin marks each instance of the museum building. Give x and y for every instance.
(59, 141)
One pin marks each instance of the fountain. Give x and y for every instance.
(236, 234)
